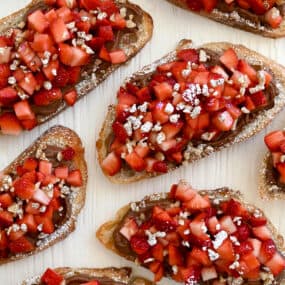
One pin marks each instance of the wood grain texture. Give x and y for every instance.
(236, 167)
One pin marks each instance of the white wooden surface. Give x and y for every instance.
(236, 167)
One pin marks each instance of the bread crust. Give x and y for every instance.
(237, 21)
(105, 231)
(61, 137)
(263, 118)
(131, 46)
(123, 275)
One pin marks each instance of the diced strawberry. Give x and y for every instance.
(106, 32)
(256, 244)
(139, 244)
(68, 153)
(227, 224)
(37, 21)
(24, 188)
(184, 192)
(111, 164)
(208, 273)
(257, 221)
(59, 31)
(281, 169)
(201, 77)
(6, 54)
(23, 110)
(259, 99)
(223, 121)
(6, 219)
(9, 124)
(219, 70)
(198, 228)
(48, 226)
(244, 248)
(45, 167)
(198, 202)
(75, 178)
(159, 114)
(46, 97)
(29, 57)
(245, 68)
(274, 139)
(50, 277)
(61, 78)
(157, 252)
(229, 59)
(30, 176)
(129, 229)
(226, 251)
(120, 132)
(5, 70)
(135, 161)
(67, 3)
(163, 91)
(262, 232)
(50, 14)
(42, 43)
(30, 222)
(14, 235)
(213, 225)
(32, 209)
(3, 240)
(8, 96)
(73, 56)
(251, 261)
(70, 97)
(104, 54)
(118, 56)
(174, 256)
(260, 7)
(28, 83)
(21, 245)
(276, 264)
(73, 74)
(243, 232)
(267, 251)
(162, 220)
(5, 200)
(41, 197)
(29, 124)
(65, 13)
(190, 274)
(188, 55)
(160, 166)
(30, 164)
(107, 6)
(51, 70)
(61, 172)
(200, 256)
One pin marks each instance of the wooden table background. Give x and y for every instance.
(236, 167)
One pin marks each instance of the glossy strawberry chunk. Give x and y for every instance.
(50, 277)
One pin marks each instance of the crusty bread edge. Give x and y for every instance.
(236, 21)
(145, 30)
(122, 275)
(263, 118)
(105, 232)
(59, 136)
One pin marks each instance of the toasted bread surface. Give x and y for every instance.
(238, 21)
(262, 119)
(62, 137)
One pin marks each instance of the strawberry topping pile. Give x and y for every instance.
(50, 277)
(275, 141)
(268, 9)
(195, 239)
(196, 99)
(32, 200)
(43, 58)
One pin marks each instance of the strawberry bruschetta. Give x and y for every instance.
(54, 52)
(261, 17)
(272, 183)
(187, 105)
(204, 237)
(41, 194)
(87, 276)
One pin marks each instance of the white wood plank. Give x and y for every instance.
(235, 167)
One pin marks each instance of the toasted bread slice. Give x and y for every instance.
(110, 275)
(237, 20)
(131, 40)
(192, 153)
(108, 232)
(49, 147)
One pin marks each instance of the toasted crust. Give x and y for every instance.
(122, 275)
(237, 21)
(262, 119)
(61, 137)
(105, 232)
(131, 46)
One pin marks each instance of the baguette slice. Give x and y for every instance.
(236, 20)
(112, 274)
(192, 153)
(130, 40)
(56, 138)
(111, 231)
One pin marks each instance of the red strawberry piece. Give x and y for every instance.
(229, 59)
(213, 225)
(120, 132)
(75, 178)
(24, 188)
(42, 43)
(135, 161)
(197, 203)
(223, 121)
(159, 274)
(48, 226)
(6, 219)
(184, 192)
(219, 70)
(143, 95)
(276, 264)
(251, 261)
(30, 164)
(106, 32)
(9, 124)
(163, 91)
(256, 244)
(96, 43)
(244, 248)
(259, 99)
(129, 228)
(23, 110)
(45, 167)
(71, 4)
(243, 232)
(62, 77)
(273, 17)
(118, 56)
(125, 98)
(30, 176)
(50, 71)
(104, 54)
(50, 277)
(160, 166)
(68, 153)
(260, 7)
(262, 232)
(163, 221)
(73, 56)
(157, 252)
(171, 130)
(8, 96)
(3, 240)
(234, 208)
(21, 245)
(107, 6)
(29, 124)
(190, 275)
(139, 244)
(46, 97)
(274, 139)
(281, 169)
(14, 235)
(227, 224)
(188, 55)
(245, 68)
(5, 200)
(111, 164)
(226, 251)
(267, 251)
(5, 70)
(28, 56)
(174, 255)
(257, 221)
(37, 21)
(28, 83)
(65, 14)
(61, 172)
(41, 197)
(59, 31)
(30, 222)
(208, 273)
(200, 256)
(73, 74)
